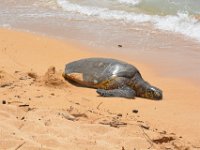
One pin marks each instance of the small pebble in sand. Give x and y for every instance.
(119, 45)
(135, 111)
(3, 101)
(17, 71)
(69, 117)
(5, 85)
(32, 75)
(119, 115)
(23, 78)
(52, 94)
(163, 132)
(144, 126)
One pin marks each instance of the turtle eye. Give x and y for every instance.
(156, 93)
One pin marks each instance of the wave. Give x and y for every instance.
(86, 10)
(129, 2)
(103, 13)
(181, 23)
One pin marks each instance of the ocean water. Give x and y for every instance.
(165, 33)
(175, 15)
(179, 16)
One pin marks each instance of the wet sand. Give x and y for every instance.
(40, 110)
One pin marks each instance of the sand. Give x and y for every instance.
(40, 110)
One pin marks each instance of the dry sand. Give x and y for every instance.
(39, 110)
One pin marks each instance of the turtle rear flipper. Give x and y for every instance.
(126, 92)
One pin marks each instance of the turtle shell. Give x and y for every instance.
(93, 71)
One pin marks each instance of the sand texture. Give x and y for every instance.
(40, 110)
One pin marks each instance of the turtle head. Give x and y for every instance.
(154, 93)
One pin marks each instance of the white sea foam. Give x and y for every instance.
(181, 23)
(86, 10)
(129, 2)
(8, 26)
(103, 13)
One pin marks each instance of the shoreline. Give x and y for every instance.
(26, 52)
(179, 55)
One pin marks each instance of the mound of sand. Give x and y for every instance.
(51, 78)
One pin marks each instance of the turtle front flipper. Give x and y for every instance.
(126, 92)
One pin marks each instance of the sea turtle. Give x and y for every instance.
(111, 78)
